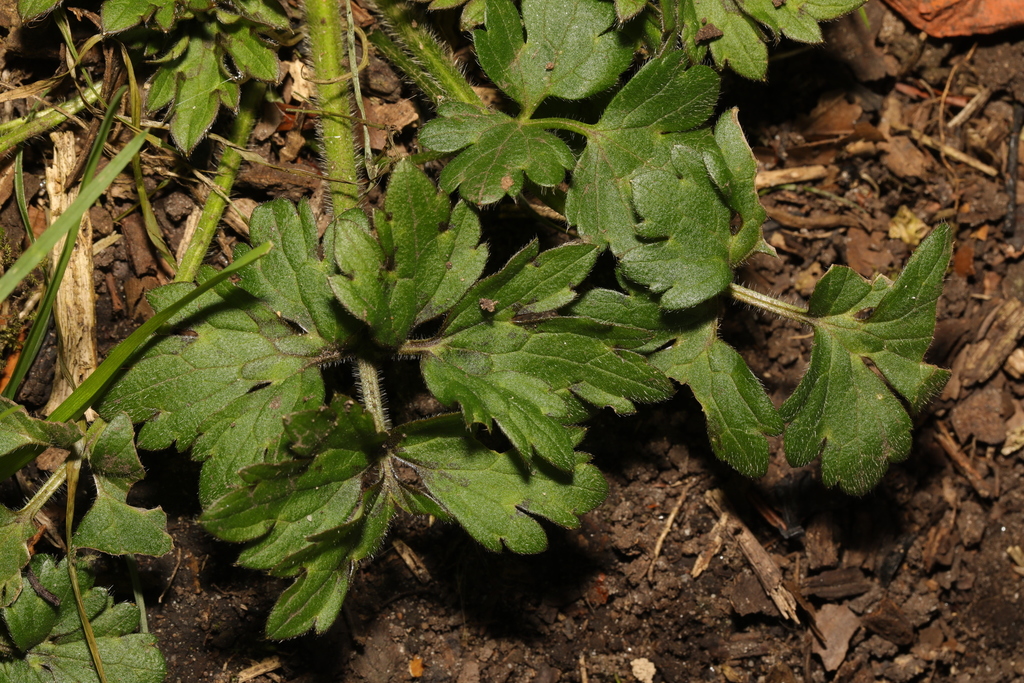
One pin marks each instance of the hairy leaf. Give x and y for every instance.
(422, 260)
(632, 137)
(222, 386)
(292, 279)
(739, 414)
(493, 495)
(731, 28)
(16, 529)
(502, 151)
(308, 517)
(568, 51)
(111, 525)
(842, 409)
(687, 259)
(51, 644)
(496, 358)
(18, 431)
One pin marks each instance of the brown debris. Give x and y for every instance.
(761, 562)
(889, 621)
(994, 343)
(837, 584)
(980, 416)
(837, 624)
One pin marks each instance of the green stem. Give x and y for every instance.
(74, 468)
(227, 171)
(47, 491)
(429, 60)
(577, 127)
(399, 59)
(372, 394)
(771, 304)
(15, 132)
(327, 46)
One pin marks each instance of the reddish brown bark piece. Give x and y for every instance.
(946, 18)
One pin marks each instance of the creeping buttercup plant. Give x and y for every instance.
(519, 355)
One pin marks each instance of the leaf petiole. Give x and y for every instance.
(556, 123)
(770, 304)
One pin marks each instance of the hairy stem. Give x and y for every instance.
(372, 394)
(429, 60)
(17, 131)
(227, 171)
(47, 491)
(327, 47)
(770, 304)
(399, 59)
(577, 127)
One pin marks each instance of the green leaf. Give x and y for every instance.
(284, 503)
(627, 9)
(425, 260)
(568, 51)
(741, 45)
(30, 9)
(18, 430)
(251, 55)
(267, 12)
(200, 88)
(120, 15)
(730, 28)
(221, 389)
(111, 525)
(842, 409)
(493, 495)
(739, 413)
(501, 152)
(16, 529)
(193, 77)
(50, 642)
(663, 97)
(308, 517)
(496, 357)
(735, 180)
(687, 259)
(293, 280)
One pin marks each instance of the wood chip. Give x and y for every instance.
(889, 621)
(412, 561)
(785, 176)
(74, 308)
(948, 151)
(258, 669)
(1002, 335)
(837, 624)
(767, 572)
(837, 583)
(962, 462)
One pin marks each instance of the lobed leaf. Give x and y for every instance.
(498, 359)
(422, 260)
(222, 387)
(18, 430)
(568, 51)
(842, 409)
(739, 414)
(732, 28)
(631, 137)
(493, 495)
(308, 517)
(293, 280)
(502, 152)
(50, 642)
(111, 525)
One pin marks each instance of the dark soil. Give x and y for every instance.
(913, 582)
